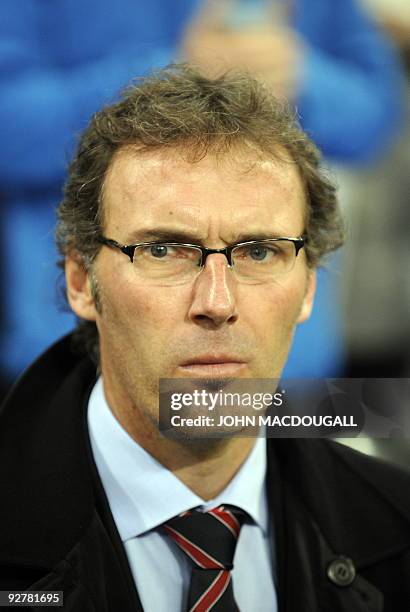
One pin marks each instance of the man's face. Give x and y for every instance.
(214, 325)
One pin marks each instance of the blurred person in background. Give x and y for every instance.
(329, 58)
(377, 283)
(60, 61)
(376, 278)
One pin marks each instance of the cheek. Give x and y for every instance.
(157, 308)
(272, 323)
(275, 307)
(139, 315)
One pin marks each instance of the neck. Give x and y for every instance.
(206, 466)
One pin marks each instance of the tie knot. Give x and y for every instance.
(208, 538)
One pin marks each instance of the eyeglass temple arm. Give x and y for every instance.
(127, 250)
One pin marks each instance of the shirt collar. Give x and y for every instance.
(143, 494)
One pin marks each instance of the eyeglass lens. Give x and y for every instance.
(252, 263)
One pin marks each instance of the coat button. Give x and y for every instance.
(341, 571)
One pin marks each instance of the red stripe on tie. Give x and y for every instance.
(196, 553)
(213, 593)
(228, 519)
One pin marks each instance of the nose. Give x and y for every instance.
(214, 300)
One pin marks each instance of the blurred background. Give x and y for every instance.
(344, 64)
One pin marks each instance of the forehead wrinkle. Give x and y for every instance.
(138, 189)
(238, 162)
(131, 190)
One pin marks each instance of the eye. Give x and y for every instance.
(258, 252)
(264, 253)
(159, 250)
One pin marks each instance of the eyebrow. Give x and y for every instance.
(162, 234)
(174, 235)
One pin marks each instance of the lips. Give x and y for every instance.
(212, 360)
(213, 366)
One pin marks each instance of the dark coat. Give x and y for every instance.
(329, 504)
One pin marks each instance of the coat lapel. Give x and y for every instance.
(315, 526)
(308, 558)
(94, 575)
(57, 523)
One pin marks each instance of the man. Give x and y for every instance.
(194, 216)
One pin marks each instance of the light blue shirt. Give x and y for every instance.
(143, 494)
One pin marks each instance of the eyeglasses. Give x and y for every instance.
(174, 263)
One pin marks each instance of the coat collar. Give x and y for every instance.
(347, 493)
(44, 465)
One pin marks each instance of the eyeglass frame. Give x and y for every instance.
(129, 249)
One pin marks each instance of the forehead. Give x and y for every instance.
(216, 196)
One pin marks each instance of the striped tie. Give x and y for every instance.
(209, 539)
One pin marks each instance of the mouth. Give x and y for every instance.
(213, 366)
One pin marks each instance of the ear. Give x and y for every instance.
(308, 300)
(79, 292)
